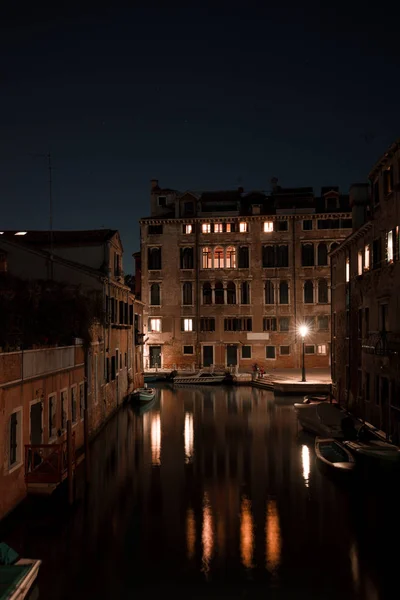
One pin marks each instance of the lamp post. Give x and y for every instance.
(303, 330)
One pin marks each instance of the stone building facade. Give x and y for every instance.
(365, 300)
(227, 277)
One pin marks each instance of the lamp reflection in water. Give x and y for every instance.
(189, 437)
(190, 533)
(155, 438)
(305, 459)
(246, 534)
(272, 537)
(207, 534)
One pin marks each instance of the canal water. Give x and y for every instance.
(213, 492)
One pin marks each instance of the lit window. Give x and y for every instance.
(243, 227)
(228, 228)
(268, 226)
(390, 246)
(155, 325)
(206, 258)
(187, 324)
(231, 257)
(360, 262)
(347, 270)
(21, 233)
(218, 258)
(321, 349)
(206, 228)
(188, 228)
(366, 258)
(218, 228)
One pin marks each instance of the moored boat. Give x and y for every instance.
(334, 456)
(144, 394)
(17, 575)
(313, 398)
(368, 446)
(200, 378)
(323, 418)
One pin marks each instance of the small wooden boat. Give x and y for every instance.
(312, 399)
(17, 575)
(144, 394)
(200, 378)
(322, 418)
(374, 449)
(334, 455)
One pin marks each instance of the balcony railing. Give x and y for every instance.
(47, 463)
(382, 343)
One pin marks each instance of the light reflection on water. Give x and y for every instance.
(305, 459)
(272, 537)
(190, 533)
(246, 534)
(189, 436)
(207, 535)
(155, 434)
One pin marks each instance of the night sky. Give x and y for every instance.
(197, 96)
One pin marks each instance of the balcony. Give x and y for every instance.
(47, 463)
(382, 343)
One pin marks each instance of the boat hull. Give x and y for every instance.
(334, 457)
(198, 380)
(144, 395)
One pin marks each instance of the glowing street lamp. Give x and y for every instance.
(303, 331)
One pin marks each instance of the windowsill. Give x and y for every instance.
(155, 305)
(15, 467)
(154, 270)
(245, 358)
(190, 305)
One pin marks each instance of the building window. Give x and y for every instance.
(231, 292)
(243, 228)
(187, 293)
(309, 321)
(81, 400)
(231, 257)
(228, 227)
(154, 259)
(246, 351)
(307, 224)
(321, 349)
(270, 352)
(218, 258)
(268, 256)
(155, 294)
(52, 415)
(73, 402)
(207, 293)
(283, 292)
(243, 257)
(207, 324)
(15, 449)
(275, 256)
(323, 322)
(155, 229)
(281, 225)
(284, 323)
(284, 350)
(155, 325)
(308, 292)
(269, 323)
(187, 258)
(162, 201)
(64, 409)
(360, 262)
(383, 317)
(238, 324)
(206, 258)
(188, 350)
(113, 368)
(188, 208)
(309, 349)
(376, 253)
(322, 291)
(347, 270)
(269, 292)
(187, 324)
(206, 228)
(282, 258)
(219, 292)
(187, 229)
(367, 253)
(388, 181)
(268, 226)
(307, 255)
(245, 293)
(218, 228)
(322, 253)
(390, 245)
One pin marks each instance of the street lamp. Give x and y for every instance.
(303, 330)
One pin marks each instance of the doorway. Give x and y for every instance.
(155, 357)
(36, 423)
(231, 355)
(208, 356)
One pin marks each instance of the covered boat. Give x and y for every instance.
(201, 378)
(334, 456)
(144, 394)
(324, 419)
(368, 446)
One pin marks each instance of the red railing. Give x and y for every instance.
(47, 463)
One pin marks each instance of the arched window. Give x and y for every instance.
(155, 294)
(268, 256)
(154, 259)
(322, 291)
(186, 258)
(333, 246)
(218, 258)
(231, 257)
(307, 255)
(283, 292)
(308, 292)
(322, 254)
(231, 292)
(207, 293)
(187, 293)
(219, 293)
(283, 256)
(206, 258)
(243, 257)
(245, 293)
(269, 292)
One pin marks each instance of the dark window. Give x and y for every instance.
(269, 323)
(322, 291)
(207, 324)
(309, 321)
(270, 351)
(188, 208)
(113, 368)
(162, 201)
(243, 257)
(323, 322)
(155, 294)
(155, 229)
(126, 317)
(284, 323)
(282, 256)
(154, 259)
(268, 256)
(13, 438)
(186, 258)
(307, 224)
(187, 293)
(231, 292)
(308, 292)
(245, 293)
(242, 324)
(63, 410)
(284, 350)
(387, 181)
(383, 317)
(309, 349)
(219, 293)
(187, 349)
(121, 312)
(283, 292)
(131, 314)
(207, 293)
(376, 253)
(73, 404)
(246, 351)
(269, 292)
(280, 226)
(331, 203)
(275, 256)
(307, 255)
(346, 223)
(117, 265)
(322, 254)
(366, 318)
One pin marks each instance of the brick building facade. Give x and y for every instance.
(227, 277)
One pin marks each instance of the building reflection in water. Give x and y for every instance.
(155, 438)
(189, 436)
(207, 534)
(246, 534)
(190, 533)
(355, 566)
(272, 537)
(305, 459)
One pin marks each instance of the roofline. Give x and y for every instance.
(384, 158)
(350, 238)
(274, 217)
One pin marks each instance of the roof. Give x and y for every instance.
(85, 237)
(384, 158)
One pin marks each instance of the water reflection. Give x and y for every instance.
(155, 437)
(207, 534)
(273, 537)
(189, 437)
(246, 534)
(305, 459)
(190, 533)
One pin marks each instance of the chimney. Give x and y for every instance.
(274, 184)
(154, 184)
(359, 202)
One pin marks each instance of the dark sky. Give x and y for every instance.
(201, 96)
